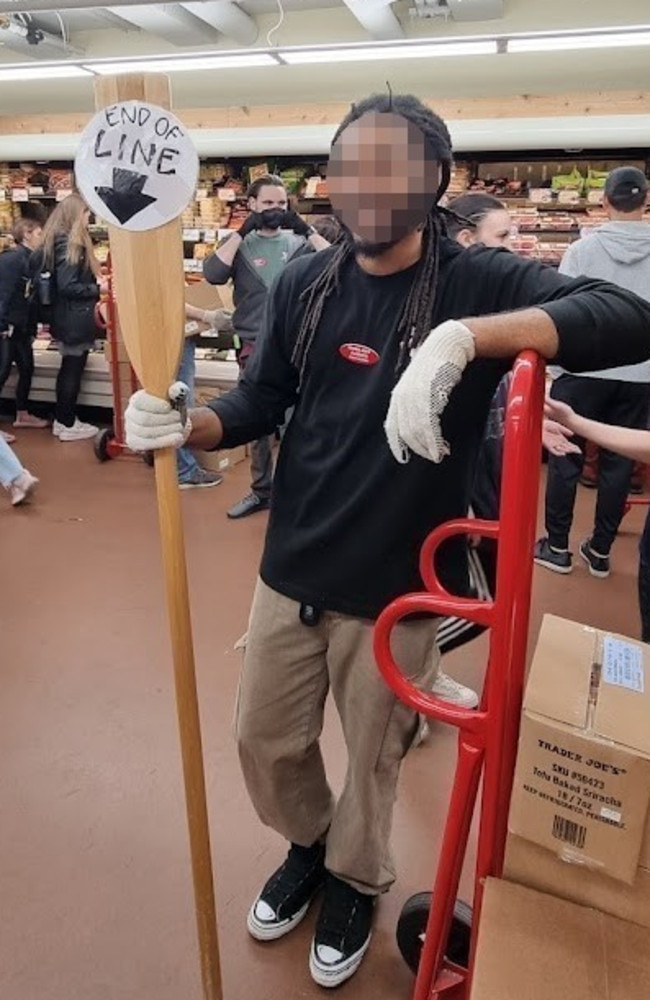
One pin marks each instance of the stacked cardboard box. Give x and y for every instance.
(579, 815)
(572, 918)
(533, 946)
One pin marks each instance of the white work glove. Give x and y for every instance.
(151, 423)
(218, 319)
(419, 398)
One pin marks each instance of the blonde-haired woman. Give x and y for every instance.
(69, 258)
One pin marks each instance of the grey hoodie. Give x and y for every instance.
(618, 252)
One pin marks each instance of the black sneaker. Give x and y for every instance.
(342, 934)
(251, 504)
(559, 560)
(285, 898)
(598, 564)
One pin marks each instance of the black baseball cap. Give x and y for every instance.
(626, 188)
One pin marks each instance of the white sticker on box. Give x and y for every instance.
(611, 814)
(623, 664)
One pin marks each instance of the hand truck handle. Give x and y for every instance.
(429, 550)
(469, 720)
(99, 318)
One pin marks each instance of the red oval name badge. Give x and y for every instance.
(359, 354)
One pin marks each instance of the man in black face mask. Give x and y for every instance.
(253, 258)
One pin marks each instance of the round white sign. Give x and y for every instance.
(136, 166)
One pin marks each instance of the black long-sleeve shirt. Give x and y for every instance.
(347, 521)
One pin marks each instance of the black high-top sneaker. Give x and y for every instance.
(286, 896)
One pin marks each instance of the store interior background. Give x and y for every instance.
(94, 875)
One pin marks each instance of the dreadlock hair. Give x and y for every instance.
(468, 211)
(416, 318)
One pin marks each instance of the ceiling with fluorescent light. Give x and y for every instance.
(145, 30)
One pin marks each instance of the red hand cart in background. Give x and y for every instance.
(437, 934)
(109, 441)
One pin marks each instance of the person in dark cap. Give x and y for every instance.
(618, 252)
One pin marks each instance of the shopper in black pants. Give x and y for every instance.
(618, 252)
(635, 445)
(621, 403)
(70, 271)
(17, 322)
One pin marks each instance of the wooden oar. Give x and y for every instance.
(149, 284)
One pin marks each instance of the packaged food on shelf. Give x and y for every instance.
(596, 179)
(293, 178)
(541, 195)
(572, 181)
(257, 170)
(569, 197)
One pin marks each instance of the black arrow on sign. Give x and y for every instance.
(125, 199)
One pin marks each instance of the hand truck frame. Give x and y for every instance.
(487, 739)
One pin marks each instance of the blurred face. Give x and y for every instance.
(382, 180)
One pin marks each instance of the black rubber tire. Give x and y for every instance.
(412, 924)
(101, 442)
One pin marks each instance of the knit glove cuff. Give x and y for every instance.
(151, 422)
(419, 398)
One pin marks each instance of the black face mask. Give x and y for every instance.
(272, 218)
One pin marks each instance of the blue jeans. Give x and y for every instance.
(185, 460)
(10, 467)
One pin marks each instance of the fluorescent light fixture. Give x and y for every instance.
(193, 63)
(57, 72)
(575, 42)
(359, 53)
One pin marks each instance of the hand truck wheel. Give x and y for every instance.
(102, 444)
(412, 925)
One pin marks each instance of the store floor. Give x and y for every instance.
(95, 887)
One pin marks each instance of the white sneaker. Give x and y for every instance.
(57, 428)
(78, 432)
(448, 689)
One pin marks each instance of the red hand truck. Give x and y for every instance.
(437, 935)
(109, 441)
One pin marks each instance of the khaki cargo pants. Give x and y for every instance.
(288, 671)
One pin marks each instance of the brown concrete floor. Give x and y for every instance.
(95, 890)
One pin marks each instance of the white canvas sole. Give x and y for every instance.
(331, 976)
(263, 931)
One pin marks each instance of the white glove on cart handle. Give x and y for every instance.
(419, 398)
(151, 423)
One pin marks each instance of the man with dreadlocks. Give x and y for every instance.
(391, 327)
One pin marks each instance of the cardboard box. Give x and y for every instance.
(203, 295)
(532, 946)
(540, 869)
(582, 781)
(217, 461)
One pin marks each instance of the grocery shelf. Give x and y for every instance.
(96, 388)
